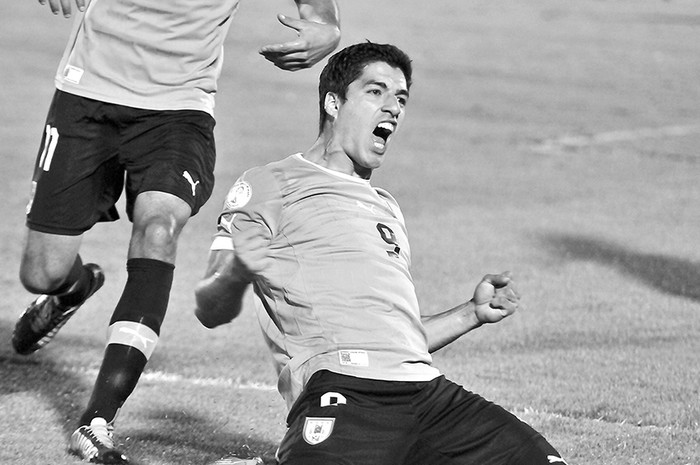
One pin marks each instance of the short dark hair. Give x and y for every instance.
(347, 65)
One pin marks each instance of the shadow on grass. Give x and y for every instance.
(191, 439)
(39, 373)
(670, 275)
(66, 389)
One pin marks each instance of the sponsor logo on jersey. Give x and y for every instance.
(239, 195)
(226, 222)
(317, 430)
(555, 459)
(366, 206)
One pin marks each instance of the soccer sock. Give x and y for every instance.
(133, 334)
(76, 285)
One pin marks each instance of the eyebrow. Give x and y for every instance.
(382, 84)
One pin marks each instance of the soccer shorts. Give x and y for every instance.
(91, 151)
(343, 420)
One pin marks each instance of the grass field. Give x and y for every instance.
(555, 139)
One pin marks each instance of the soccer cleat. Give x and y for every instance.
(45, 316)
(232, 460)
(94, 443)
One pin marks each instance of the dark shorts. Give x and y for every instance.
(92, 150)
(352, 421)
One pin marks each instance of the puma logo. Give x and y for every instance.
(368, 207)
(193, 184)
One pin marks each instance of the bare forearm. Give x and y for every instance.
(446, 327)
(321, 11)
(495, 298)
(218, 302)
(219, 295)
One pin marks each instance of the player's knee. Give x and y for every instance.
(36, 284)
(41, 280)
(161, 232)
(156, 238)
(158, 218)
(47, 261)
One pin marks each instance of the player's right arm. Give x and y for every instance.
(64, 5)
(240, 250)
(219, 294)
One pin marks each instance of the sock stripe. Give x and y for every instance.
(133, 334)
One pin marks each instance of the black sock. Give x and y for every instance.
(121, 368)
(134, 330)
(76, 285)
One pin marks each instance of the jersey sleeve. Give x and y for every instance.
(250, 217)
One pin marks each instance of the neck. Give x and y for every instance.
(329, 154)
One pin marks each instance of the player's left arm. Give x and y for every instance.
(318, 30)
(495, 298)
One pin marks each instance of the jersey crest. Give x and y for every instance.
(239, 195)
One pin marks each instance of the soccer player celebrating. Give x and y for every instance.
(328, 257)
(133, 110)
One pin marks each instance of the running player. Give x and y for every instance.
(329, 260)
(133, 110)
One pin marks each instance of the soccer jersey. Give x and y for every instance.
(329, 258)
(148, 54)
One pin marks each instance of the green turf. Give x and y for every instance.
(555, 139)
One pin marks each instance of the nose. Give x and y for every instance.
(392, 105)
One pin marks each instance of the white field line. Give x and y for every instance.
(161, 377)
(523, 413)
(608, 137)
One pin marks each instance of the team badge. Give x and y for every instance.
(317, 430)
(239, 195)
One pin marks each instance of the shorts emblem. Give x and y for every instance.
(333, 399)
(317, 430)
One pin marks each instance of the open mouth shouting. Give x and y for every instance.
(382, 133)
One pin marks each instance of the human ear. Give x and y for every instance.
(330, 104)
